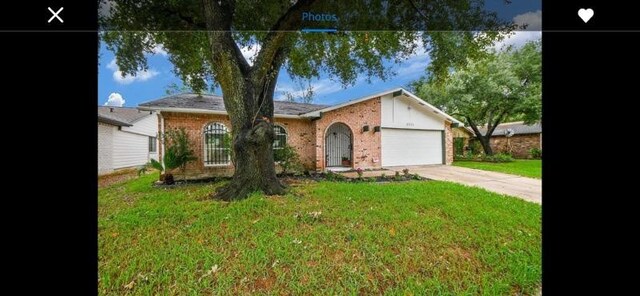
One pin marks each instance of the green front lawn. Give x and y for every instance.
(324, 238)
(527, 168)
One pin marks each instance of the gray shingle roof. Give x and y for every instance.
(518, 127)
(121, 116)
(215, 103)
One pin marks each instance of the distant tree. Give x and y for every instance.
(205, 39)
(490, 89)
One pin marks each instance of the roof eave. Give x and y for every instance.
(113, 121)
(204, 111)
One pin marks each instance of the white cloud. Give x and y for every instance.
(518, 39)
(533, 20)
(127, 79)
(320, 88)
(250, 52)
(112, 65)
(159, 49)
(140, 76)
(115, 99)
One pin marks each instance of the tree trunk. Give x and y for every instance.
(253, 136)
(255, 169)
(486, 145)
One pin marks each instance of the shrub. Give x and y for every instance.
(536, 153)
(475, 147)
(178, 152)
(331, 176)
(406, 172)
(467, 156)
(142, 170)
(499, 157)
(458, 146)
(416, 177)
(383, 176)
(397, 176)
(288, 159)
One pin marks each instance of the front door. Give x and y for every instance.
(338, 145)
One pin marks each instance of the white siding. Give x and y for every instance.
(105, 147)
(131, 144)
(129, 149)
(403, 112)
(411, 147)
(147, 126)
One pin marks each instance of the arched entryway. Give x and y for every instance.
(338, 146)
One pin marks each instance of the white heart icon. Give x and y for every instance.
(585, 14)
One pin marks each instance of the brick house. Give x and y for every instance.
(521, 139)
(391, 128)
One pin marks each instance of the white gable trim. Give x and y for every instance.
(421, 102)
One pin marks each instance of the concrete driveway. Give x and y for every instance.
(528, 189)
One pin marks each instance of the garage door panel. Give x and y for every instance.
(411, 147)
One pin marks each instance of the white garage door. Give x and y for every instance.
(411, 147)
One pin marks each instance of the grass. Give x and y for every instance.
(526, 168)
(323, 238)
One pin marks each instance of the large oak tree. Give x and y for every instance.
(204, 39)
(489, 90)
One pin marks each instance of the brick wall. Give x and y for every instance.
(518, 145)
(448, 140)
(300, 135)
(194, 124)
(366, 145)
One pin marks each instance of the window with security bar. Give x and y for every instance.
(279, 141)
(217, 145)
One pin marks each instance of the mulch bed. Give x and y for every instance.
(116, 177)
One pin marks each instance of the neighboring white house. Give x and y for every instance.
(127, 137)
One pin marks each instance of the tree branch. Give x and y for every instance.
(474, 127)
(218, 19)
(496, 123)
(274, 43)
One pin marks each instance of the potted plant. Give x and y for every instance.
(346, 161)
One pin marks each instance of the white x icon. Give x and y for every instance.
(55, 14)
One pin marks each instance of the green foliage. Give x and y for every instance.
(491, 88)
(178, 152)
(135, 28)
(156, 165)
(331, 176)
(536, 153)
(475, 147)
(288, 158)
(397, 176)
(458, 146)
(142, 170)
(498, 157)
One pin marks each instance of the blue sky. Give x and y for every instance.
(152, 84)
